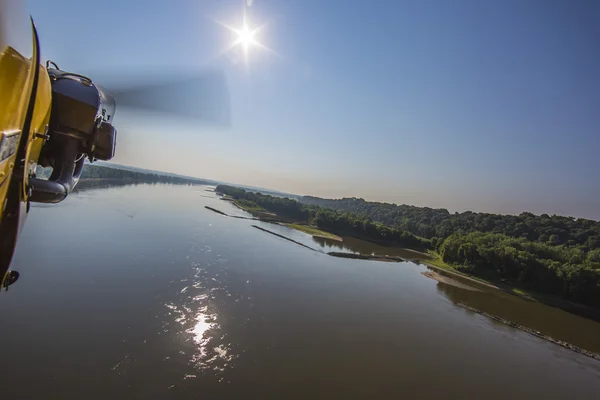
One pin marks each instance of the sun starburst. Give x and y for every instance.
(245, 37)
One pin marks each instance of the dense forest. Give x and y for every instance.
(549, 254)
(347, 224)
(282, 206)
(564, 271)
(438, 224)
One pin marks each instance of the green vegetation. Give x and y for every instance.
(363, 227)
(283, 207)
(348, 224)
(567, 272)
(520, 292)
(438, 224)
(551, 255)
(436, 261)
(314, 231)
(249, 205)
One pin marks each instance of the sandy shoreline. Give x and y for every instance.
(449, 281)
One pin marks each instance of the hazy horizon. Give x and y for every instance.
(273, 189)
(466, 105)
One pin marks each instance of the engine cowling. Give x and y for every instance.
(80, 126)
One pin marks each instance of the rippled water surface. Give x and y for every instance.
(141, 292)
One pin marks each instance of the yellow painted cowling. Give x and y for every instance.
(25, 106)
(49, 117)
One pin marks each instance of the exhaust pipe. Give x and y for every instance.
(62, 181)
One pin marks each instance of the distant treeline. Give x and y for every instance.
(549, 254)
(346, 224)
(438, 223)
(91, 171)
(282, 206)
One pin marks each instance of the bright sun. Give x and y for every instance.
(245, 37)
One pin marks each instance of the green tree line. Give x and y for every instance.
(550, 254)
(341, 223)
(565, 271)
(282, 206)
(438, 223)
(91, 171)
(361, 226)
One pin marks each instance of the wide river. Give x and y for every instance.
(139, 292)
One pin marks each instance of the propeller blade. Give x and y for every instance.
(203, 96)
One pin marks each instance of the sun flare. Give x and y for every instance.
(245, 37)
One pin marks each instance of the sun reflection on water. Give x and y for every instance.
(200, 326)
(200, 334)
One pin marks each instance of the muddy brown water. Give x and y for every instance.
(141, 292)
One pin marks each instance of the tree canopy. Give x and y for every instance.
(550, 254)
(565, 271)
(439, 223)
(349, 224)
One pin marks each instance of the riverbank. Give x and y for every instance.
(578, 309)
(533, 332)
(315, 232)
(263, 215)
(447, 280)
(446, 274)
(336, 254)
(434, 261)
(258, 212)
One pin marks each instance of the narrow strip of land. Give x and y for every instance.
(215, 210)
(315, 232)
(366, 257)
(283, 237)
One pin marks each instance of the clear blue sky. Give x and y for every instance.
(483, 105)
